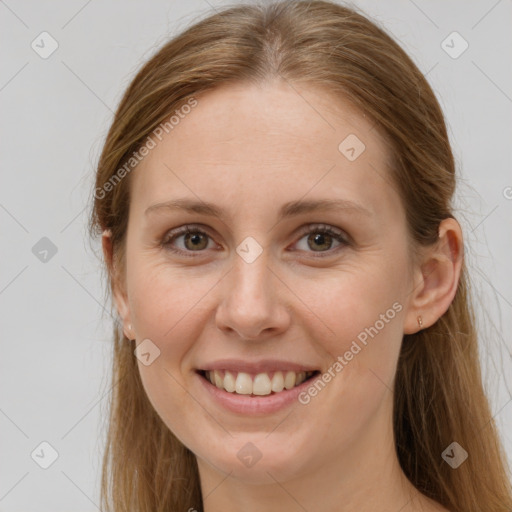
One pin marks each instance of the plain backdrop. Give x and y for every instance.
(55, 333)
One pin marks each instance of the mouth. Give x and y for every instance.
(256, 385)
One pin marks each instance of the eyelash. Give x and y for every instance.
(314, 228)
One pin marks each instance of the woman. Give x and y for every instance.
(296, 333)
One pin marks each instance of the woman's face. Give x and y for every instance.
(261, 288)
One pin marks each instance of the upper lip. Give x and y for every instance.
(261, 366)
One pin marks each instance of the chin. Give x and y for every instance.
(257, 462)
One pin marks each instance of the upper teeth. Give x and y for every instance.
(262, 383)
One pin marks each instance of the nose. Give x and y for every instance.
(252, 303)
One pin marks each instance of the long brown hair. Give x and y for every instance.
(439, 396)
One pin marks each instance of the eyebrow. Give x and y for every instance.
(289, 209)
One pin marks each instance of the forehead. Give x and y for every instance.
(268, 144)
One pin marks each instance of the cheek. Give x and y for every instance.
(350, 304)
(167, 310)
(166, 301)
(359, 325)
(169, 307)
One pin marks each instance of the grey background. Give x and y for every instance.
(55, 333)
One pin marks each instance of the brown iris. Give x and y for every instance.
(320, 238)
(198, 240)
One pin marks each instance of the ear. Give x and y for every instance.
(118, 290)
(436, 278)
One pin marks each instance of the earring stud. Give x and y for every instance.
(420, 321)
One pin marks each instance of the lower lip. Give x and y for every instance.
(254, 405)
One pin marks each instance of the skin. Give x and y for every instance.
(250, 149)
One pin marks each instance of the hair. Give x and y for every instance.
(439, 396)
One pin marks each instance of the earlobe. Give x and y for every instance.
(118, 292)
(438, 278)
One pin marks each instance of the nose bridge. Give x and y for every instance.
(250, 275)
(249, 284)
(250, 304)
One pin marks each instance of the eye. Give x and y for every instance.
(320, 239)
(194, 240)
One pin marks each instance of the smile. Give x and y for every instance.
(260, 384)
